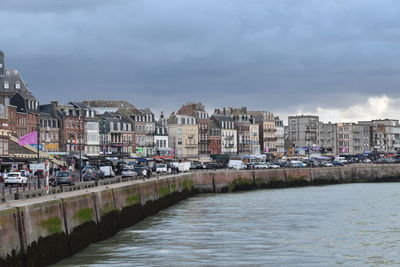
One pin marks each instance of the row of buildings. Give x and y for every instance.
(348, 138)
(105, 128)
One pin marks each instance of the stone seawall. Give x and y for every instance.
(41, 231)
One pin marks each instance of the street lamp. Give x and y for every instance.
(80, 149)
(38, 143)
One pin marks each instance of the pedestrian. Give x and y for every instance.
(144, 173)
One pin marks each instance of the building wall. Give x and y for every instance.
(255, 147)
(269, 138)
(304, 130)
(92, 138)
(229, 141)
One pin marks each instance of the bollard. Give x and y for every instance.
(2, 189)
(17, 188)
(10, 189)
(29, 186)
(23, 187)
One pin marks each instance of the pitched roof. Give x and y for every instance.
(13, 77)
(108, 103)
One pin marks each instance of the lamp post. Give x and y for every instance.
(80, 149)
(37, 147)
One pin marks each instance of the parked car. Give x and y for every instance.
(236, 164)
(161, 168)
(98, 173)
(196, 166)
(337, 163)
(261, 165)
(298, 164)
(128, 172)
(273, 166)
(326, 164)
(107, 171)
(89, 175)
(214, 165)
(64, 177)
(283, 164)
(15, 178)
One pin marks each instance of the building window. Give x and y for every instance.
(17, 85)
(6, 85)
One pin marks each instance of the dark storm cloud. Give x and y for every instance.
(274, 55)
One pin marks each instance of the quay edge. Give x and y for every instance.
(44, 230)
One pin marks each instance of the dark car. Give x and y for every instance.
(64, 177)
(196, 166)
(97, 172)
(337, 163)
(214, 166)
(89, 175)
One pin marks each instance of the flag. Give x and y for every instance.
(29, 139)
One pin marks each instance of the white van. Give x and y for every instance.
(182, 166)
(107, 171)
(161, 168)
(236, 164)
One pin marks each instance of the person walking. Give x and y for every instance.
(144, 173)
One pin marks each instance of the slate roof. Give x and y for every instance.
(12, 77)
(108, 104)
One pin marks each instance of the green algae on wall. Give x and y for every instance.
(173, 188)
(84, 215)
(187, 185)
(108, 207)
(293, 179)
(163, 191)
(132, 200)
(52, 225)
(239, 182)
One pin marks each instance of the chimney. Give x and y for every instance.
(224, 111)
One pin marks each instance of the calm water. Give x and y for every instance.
(351, 225)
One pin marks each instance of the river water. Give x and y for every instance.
(350, 225)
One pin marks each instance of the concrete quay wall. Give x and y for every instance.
(41, 231)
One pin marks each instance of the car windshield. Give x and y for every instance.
(127, 170)
(62, 174)
(13, 175)
(160, 165)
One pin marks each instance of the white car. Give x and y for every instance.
(161, 168)
(15, 178)
(261, 165)
(128, 172)
(274, 166)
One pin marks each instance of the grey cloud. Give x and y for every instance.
(275, 55)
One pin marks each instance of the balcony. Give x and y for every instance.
(150, 144)
(229, 146)
(191, 145)
(270, 139)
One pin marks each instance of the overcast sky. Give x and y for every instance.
(336, 58)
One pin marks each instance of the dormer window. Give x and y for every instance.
(6, 85)
(17, 85)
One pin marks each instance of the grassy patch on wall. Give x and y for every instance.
(132, 200)
(52, 225)
(84, 215)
